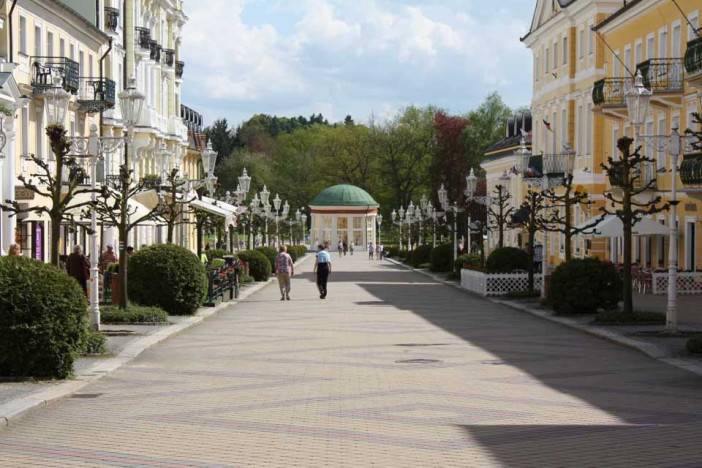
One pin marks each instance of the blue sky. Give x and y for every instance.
(367, 58)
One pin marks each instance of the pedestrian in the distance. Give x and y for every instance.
(77, 267)
(346, 248)
(340, 248)
(382, 251)
(284, 269)
(107, 257)
(371, 251)
(322, 266)
(14, 250)
(377, 251)
(351, 248)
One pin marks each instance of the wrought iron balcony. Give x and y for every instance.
(96, 94)
(663, 75)
(45, 68)
(691, 171)
(151, 181)
(179, 65)
(169, 57)
(191, 118)
(609, 92)
(143, 37)
(693, 57)
(155, 53)
(111, 19)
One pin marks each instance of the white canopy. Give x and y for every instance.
(215, 208)
(612, 226)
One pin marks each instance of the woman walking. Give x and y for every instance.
(322, 266)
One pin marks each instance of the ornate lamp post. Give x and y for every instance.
(447, 207)
(379, 221)
(303, 219)
(276, 207)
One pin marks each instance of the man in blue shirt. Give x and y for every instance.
(322, 266)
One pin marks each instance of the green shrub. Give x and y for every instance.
(297, 251)
(43, 319)
(259, 265)
(392, 250)
(133, 314)
(215, 253)
(217, 263)
(617, 317)
(94, 343)
(506, 260)
(470, 261)
(244, 278)
(582, 286)
(270, 254)
(421, 254)
(694, 344)
(442, 258)
(167, 276)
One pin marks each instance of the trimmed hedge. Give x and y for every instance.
(167, 276)
(694, 344)
(215, 253)
(43, 319)
(270, 254)
(259, 265)
(297, 251)
(133, 314)
(419, 256)
(470, 261)
(506, 260)
(582, 286)
(442, 258)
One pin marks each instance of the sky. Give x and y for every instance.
(366, 58)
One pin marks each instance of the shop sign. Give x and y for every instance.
(23, 193)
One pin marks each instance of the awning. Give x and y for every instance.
(612, 226)
(136, 210)
(212, 208)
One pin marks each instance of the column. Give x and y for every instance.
(9, 223)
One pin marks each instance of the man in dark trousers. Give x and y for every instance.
(77, 267)
(322, 266)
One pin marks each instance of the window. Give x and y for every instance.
(548, 65)
(81, 65)
(694, 21)
(23, 35)
(555, 55)
(581, 130)
(37, 41)
(581, 44)
(588, 138)
(72, 50)
(650, 46)
(50, 44)
(25, 131)
(660, 154)
(565, 50)
(675, 41)
(638, 53)
(554, 125)
(564, 128)
(536, 67)
(616, 65)
(627, 60)
(90, 65)
(39, 134)
(591, 40)
(614, 153)
(663, 43)
(62, 48)
(648, 150)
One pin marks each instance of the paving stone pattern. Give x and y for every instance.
(391, 370)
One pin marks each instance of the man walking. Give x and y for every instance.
(371, 251)
(284, 269)
(322, 266)
(77, 267)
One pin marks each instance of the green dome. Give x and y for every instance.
(344, 195)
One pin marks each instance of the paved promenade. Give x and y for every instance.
(390, 370)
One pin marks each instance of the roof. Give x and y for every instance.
(344, 195)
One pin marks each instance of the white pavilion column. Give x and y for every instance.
(8, 165)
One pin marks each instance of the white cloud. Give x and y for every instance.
(358, 57)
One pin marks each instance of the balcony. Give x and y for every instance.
(179, 69)
(143, 37)
(155, 51)
(169, 57)
(45, 68)
(663, 75)
(96, 94)
(151, 181)
(191, 118)
(111, 19)
(609, 92)
(691, 172)
(693, 62)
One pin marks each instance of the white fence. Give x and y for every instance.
(688, 283)
(497, 284)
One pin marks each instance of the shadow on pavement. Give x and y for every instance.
(635, 391)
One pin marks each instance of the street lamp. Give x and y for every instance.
(637, 100)
(244, 182)
(209, 161)
(56, 101)
(379, 220)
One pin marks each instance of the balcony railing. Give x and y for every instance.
(191, 118)
(169, 57)
(663, 75)
(111, 18)
(179, 68)
(691, 171)
(155, 53)
(96, 94)
(151, 181)
(693, 57)
(143, 37)
(609, 92)
(45, 68)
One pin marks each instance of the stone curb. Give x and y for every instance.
(649, 349)
(14, 410)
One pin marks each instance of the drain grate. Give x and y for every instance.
(421, 344)
(418, 361)
(86, 395)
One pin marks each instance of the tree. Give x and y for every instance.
(499, 212)
(223, 139)
(529, 218)
(487, 125)
(174, 204)
(58, 183)
(625, 175)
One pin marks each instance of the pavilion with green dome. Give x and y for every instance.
(343, 213)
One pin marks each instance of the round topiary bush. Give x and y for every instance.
(582, 286)
(43, 319)
(442, 258)
(167, 276)
(270, 254)
(506, 260)
(259, 265)
(694, 344)
(420, 255)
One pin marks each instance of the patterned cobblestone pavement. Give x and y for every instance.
(390, 370)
